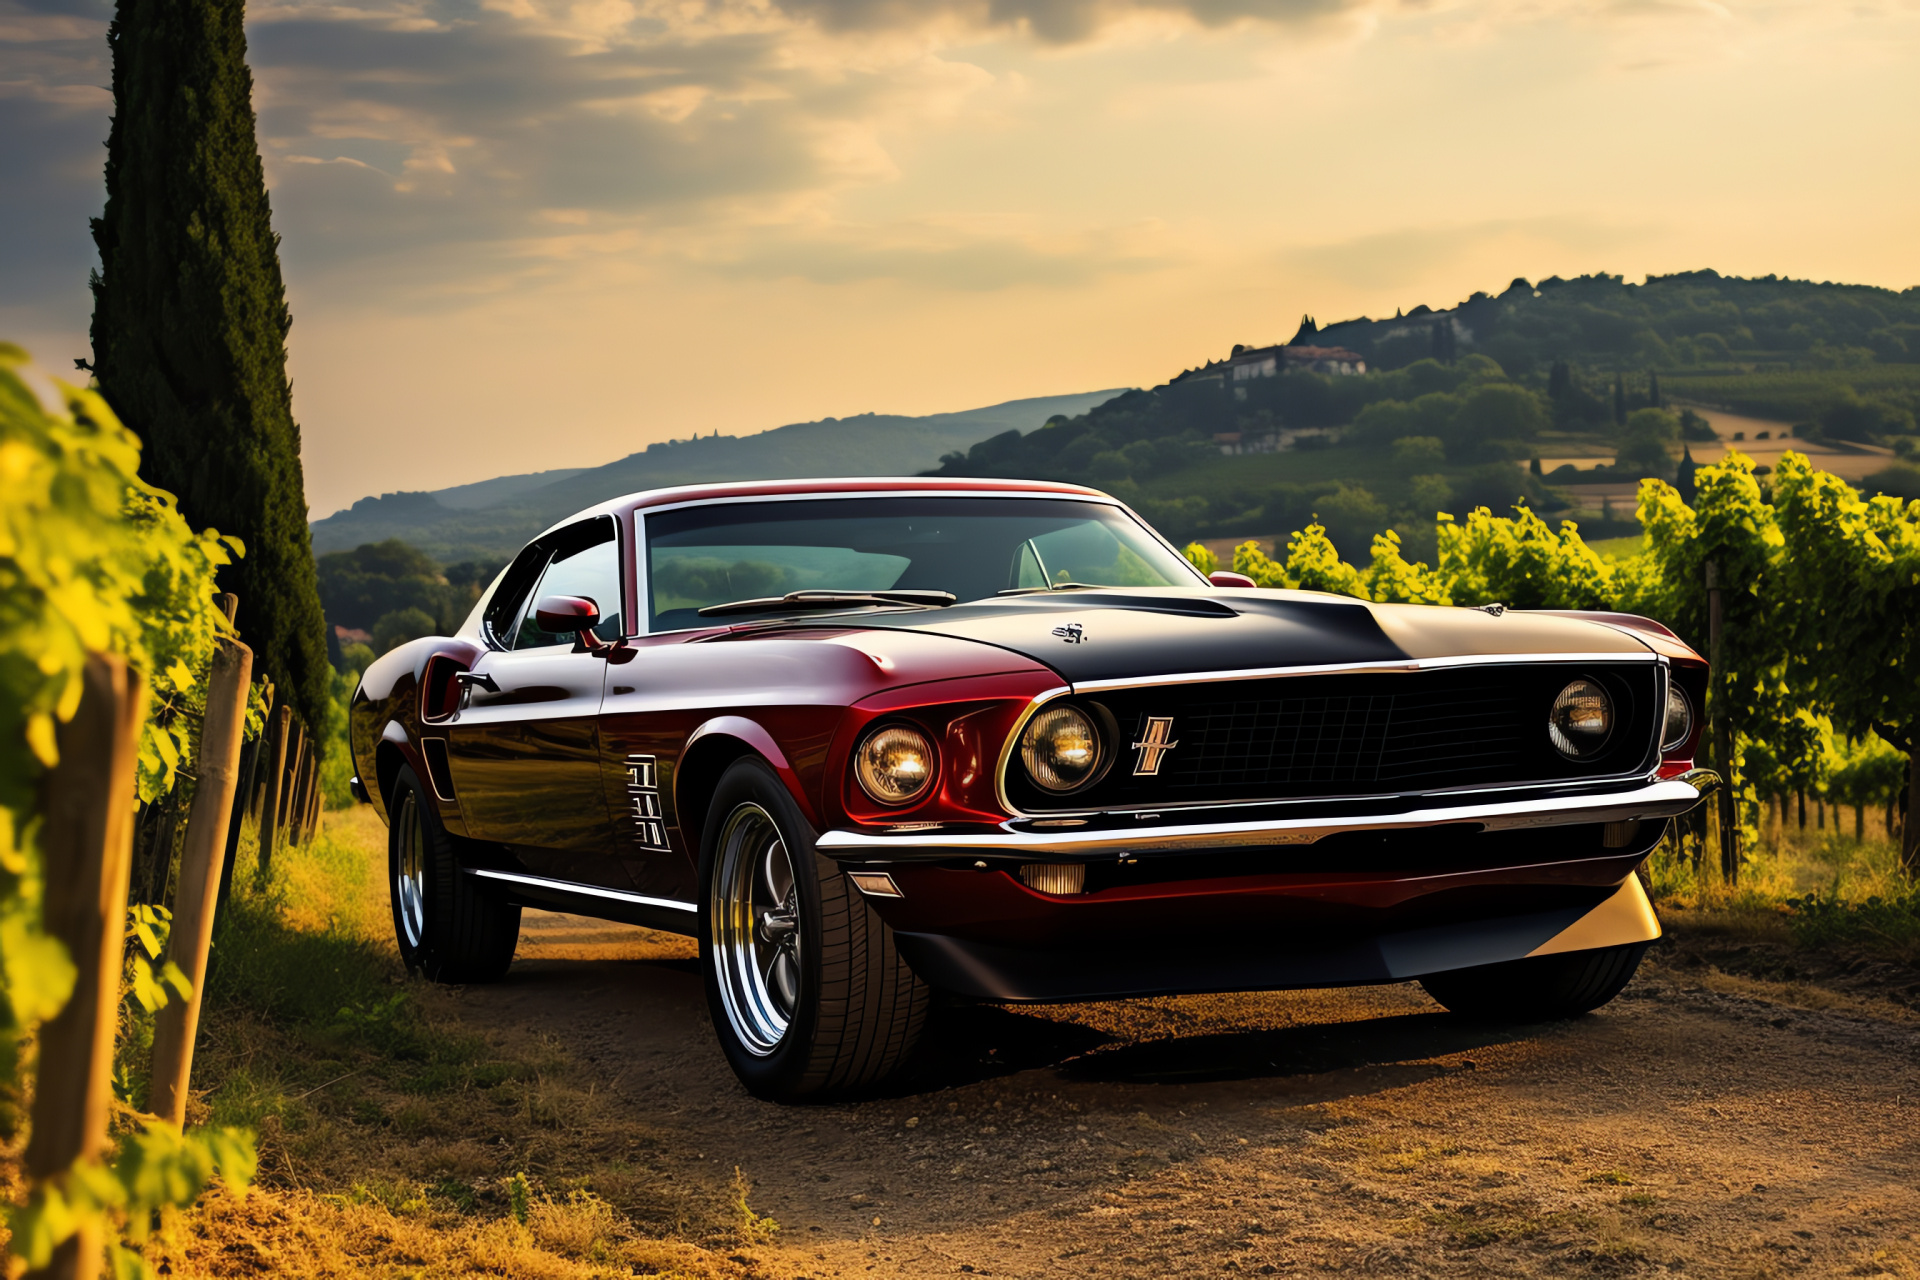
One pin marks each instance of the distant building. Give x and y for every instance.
(1267, 362)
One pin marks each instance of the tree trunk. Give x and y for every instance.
(1859, 822)
(1802, 793)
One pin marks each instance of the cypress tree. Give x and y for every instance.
(1559, 382)
(1653, 389)
(1619, 401)
(190, 318)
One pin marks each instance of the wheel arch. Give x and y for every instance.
(710, 751)
(392, 751)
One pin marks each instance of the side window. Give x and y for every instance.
(593, 572)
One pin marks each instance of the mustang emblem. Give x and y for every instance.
(1072, 633)
(1154, 746)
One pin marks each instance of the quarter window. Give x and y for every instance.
(592, 572)
(580, 560)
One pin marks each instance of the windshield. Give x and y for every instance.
(972, 547)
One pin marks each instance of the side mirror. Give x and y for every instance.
(577, 614)
(1226, 578)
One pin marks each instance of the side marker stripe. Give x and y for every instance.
(588, 890)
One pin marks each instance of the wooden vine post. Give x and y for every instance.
(88, 845)
(1722, 734)
(290, 788)
(309, 775)
(276, 779)
(201, 863)
(296, 778)
(314, 802)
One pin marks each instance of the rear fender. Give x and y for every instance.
(384, 721)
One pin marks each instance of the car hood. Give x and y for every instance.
(1135, 634)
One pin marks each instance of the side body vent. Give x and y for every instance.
(435, 751)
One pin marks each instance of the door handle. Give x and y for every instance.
(477, 678)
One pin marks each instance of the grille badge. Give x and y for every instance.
(1154, 747)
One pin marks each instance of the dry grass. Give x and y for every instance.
(299, 1234)
(392, 1137)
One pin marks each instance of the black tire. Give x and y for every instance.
(451, 927)
(836, 1008)
(1540, 988)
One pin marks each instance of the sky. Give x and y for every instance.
(526, 234)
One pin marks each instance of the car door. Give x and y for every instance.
(524, 748)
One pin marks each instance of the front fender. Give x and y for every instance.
(755, 736)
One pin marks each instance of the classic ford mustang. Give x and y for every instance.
(870, 741)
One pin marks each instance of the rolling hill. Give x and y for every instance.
(492, 519)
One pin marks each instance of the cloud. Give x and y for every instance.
(427, 150)
(1054, 21)
(946, 256)
(445, 131)
(53, 113)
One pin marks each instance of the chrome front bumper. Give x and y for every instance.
(1652, 801)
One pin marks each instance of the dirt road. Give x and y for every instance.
(1359, 1132)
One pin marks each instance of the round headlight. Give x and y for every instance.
(1581, 719)
(1679, 719)
(1061, 749)
(894, 765)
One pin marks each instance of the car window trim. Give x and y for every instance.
(641, 513)
(541, 551)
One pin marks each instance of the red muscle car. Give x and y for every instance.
(873, 740)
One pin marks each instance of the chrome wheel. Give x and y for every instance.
(757, 939)
(410, 872)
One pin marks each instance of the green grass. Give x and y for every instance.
(302, 948)
(1812, 889)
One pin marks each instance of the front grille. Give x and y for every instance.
(1352, 735)
(1364, 741)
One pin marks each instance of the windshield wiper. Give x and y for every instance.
(832, 600)
(1058, 586)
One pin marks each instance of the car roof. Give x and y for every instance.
(647, 498)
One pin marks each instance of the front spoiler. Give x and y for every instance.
(986, 971)
(1656, 801)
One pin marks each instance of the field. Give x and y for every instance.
(1743, 1110)
(1798, 395)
